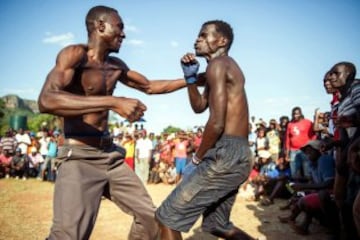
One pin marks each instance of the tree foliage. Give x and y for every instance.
(171, 129)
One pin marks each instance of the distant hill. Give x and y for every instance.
(13, 101)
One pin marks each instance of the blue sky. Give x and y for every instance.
(284, 48)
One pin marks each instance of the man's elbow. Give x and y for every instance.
(219, 128)
(43, 105)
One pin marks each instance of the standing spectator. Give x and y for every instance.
(44, 142)
(23, 141)
(180, 153)
(197, 138)
(253, 123)
(33, 143)
(262, 142)
(129, 145)
(252, 142)
(143, 157)
(165, 149)
(284, 121)
(5, 163)
(272, 135)
(299, 131)
(48, 168)
(117, 129)
(321, 124)
(154, 142)
(19, 165)
(347, 121)
(8, 142)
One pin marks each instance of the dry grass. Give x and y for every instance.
(26, 213)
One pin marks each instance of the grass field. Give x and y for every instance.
(26, 213)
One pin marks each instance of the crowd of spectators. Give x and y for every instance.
(25, 154)
(313, 163)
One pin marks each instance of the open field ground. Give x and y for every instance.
(26, 213)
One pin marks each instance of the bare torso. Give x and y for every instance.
(237, 106)
(237, 113)
(92, 79)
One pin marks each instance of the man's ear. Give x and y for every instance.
(223, 42)
(100, 25)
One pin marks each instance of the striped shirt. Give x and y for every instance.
(8, 143)
(350, 105)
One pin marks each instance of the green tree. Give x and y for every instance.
(38, 120)
(171, 129)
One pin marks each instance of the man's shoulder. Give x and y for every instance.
(75, 48)
(223, 61)
(73, 55)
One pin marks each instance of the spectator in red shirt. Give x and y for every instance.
(5, 163)
(299, 132)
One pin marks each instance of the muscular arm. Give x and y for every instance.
(140, 82)
(198, 102)
(217, 98)
(55, 99)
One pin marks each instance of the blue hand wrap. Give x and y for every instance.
(190, 71)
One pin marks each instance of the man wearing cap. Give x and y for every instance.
(18, 167)
(322, 169)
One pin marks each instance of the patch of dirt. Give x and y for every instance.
(26, 213)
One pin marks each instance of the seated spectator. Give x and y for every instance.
(170, 175)
(19, 165)
(268, 172)
(35, 163)
(277, 185)
(322, 169)
(157, 172)
(253, 174)
(5, 163)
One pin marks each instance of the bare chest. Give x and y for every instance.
(92, 81)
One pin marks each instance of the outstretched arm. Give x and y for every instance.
(138, 81)
(54, 98)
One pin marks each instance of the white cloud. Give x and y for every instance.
(134, 42)
(131, 28)
(62, 39)
(174, 43)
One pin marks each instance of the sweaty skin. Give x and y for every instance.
(80, 86)
(224, 92)
(225, 97)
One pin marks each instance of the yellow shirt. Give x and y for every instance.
(130, 149)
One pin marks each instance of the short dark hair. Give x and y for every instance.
(94, 14)
(223, 28)
(351, 67)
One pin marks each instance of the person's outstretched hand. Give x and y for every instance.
(190, 67)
